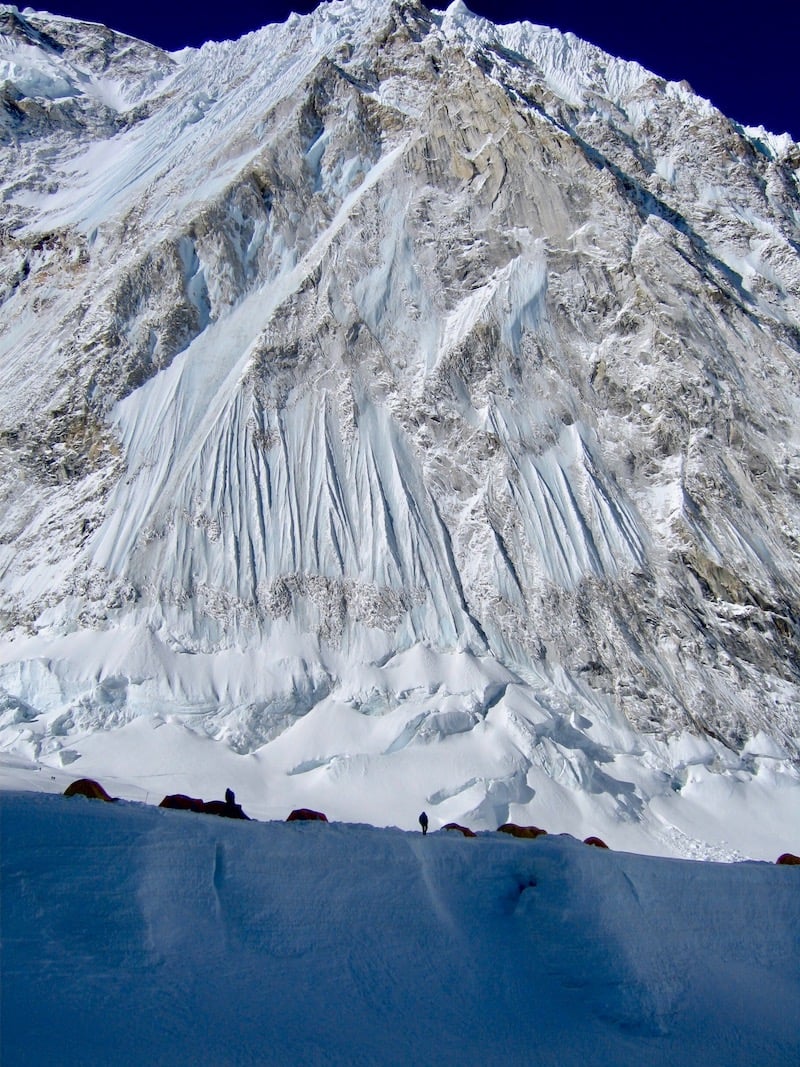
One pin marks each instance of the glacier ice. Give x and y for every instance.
(392, 336)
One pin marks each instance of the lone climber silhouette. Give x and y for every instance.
(423, 821)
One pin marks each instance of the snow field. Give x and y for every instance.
(260, 556)
(452, 733)
(135, 935)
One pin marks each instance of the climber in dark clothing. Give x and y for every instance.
(230, 809)
(423, 821)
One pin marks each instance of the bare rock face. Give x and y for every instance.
(392, 333)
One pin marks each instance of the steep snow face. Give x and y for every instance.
(387, 339)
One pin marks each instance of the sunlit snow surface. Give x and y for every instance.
(141, 936)
(399, 411)
(379, 759)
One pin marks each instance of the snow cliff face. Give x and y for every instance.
(392, 365)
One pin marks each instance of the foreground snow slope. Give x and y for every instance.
(402, 402)
(135, 935)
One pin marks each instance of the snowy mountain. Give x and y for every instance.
(136, 935)
(409, 404)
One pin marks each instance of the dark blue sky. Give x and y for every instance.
(745, 59)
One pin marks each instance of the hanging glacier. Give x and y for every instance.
(395, 397)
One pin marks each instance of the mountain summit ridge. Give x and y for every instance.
(387, 340)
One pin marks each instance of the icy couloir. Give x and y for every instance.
(411, 396)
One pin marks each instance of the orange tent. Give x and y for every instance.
(87, 787)
(302, 814)
(465, 830)
(521, 831)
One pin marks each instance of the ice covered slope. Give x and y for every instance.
(133, 935)
(437, 378)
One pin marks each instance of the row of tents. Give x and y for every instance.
(228, 808)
